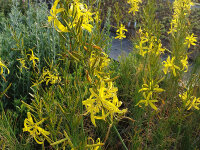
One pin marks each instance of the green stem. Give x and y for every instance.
(121, 46)
(120, 137)
(82, 126)
(147, 129)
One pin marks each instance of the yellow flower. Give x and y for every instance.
(142, 50)
(2, 65)
(145, 40)
(48, 76)
(151, 87)
(121, 32)
(98, 62)
(194, 103)
(82, 12)
(148, 101)
(22, 62)
(53, 18)
(93, 146)
(185, 98)
(33, 128)
(169, 64)
(159, 49)
(189, 100)
(190, 40)
(134, 5)
(33, 58)
(185, 63)
(104, 100)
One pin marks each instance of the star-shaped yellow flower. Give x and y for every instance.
(185, 63)
(22, 62)
(33, 58)
(169, 64)
(121, 32)
(2, 65)
(151, 87)
(82, 12)
(134, 5)
(148, 101)
(189, 100)
(190, 40)
(33, 128)
(53, 18)
(103, 101)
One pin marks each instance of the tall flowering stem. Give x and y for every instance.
(150, 48)
(134, 6)
(181, 38)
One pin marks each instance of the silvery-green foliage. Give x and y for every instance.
(21, 32)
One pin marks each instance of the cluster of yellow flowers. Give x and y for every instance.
(148, 93)
(78, 12)
(179, 58)
(134, 7)
(47, 75)
(134, 4)
(181, 9)
(103, 101)
(83, 12)
(189, 101)
(50, 76)
(149, 44)
(32, 58)
(34, 129)
(169, 65)
(22, 61)
(39, 134)
(53, 18)
(2, 66)
(98, 63)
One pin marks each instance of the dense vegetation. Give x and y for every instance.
(60, 90)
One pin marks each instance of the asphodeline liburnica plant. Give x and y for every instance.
(181, 38)
(75, 23)
(149, 91)
(150, 48)
(103, 101)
